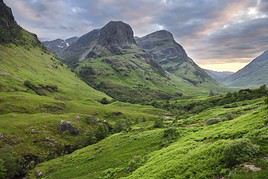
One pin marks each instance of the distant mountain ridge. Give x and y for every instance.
(219, 75)
(254, 74)
(59, 45)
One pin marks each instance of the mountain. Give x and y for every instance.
(58, 46)
(112, 39)
(11, 32)
(45, 109)
(171, 56)
(109, 59)
(112, 61)
(219, 75)
(252, 75)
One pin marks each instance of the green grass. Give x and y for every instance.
(30, 122)
(111, 154)
(130, 78)
(201, 151)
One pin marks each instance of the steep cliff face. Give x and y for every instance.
(59, 45)
(172, 57)
(10, 31)
(114, 38)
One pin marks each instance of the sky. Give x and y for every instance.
(222, 35)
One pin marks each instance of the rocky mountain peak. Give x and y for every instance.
(10, 31)
(8, 25)
(162, 34)
(6, 17)
(116, 34)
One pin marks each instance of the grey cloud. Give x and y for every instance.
(197, 24)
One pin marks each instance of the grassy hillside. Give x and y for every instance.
(226, 140)
(37, 95)
(252, 75)
(129, 77)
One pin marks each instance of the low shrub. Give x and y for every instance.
(104, 101)
(102, 131)
(158, 123)
(41, 89)
(10, 163)
(135, 163)
(213, 121)
(170, 134)
(2, 169)
(266, 101)
(239, 151)
(122, 125)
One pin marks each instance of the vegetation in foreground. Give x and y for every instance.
(47, 111)
(228, 139)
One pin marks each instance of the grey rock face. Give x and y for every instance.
(171, 56)
(113, 38)
(116, 35)
(67, 126)
(58, 46)
(9, 30)
(162, 46)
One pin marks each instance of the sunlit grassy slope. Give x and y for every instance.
(129, 77)
(217, 142)
(37, 92)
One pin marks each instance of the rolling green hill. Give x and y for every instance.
(227, 139)
(45, 109)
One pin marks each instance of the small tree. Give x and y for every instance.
(266, 101)
(104, 101)
(158, 123)
(211, 93)
(2, 169)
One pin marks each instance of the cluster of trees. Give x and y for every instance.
(229, 98)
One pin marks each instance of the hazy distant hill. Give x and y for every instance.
(58, 46)
(219, 75)
(254, 74)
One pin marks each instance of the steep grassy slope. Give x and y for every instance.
(45, 109)
(252, 75)
(127, 77)
(37, 93)
(222, 141)
(19, 64)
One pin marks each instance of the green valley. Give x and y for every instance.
(110, 105)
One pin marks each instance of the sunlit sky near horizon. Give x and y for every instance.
(222, 35)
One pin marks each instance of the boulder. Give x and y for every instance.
(2, 136)
(66, 126)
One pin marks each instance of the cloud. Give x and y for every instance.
(215, 31)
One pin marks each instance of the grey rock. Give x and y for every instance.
(2, 136)
(66, 126)
(172, 57)
(59, 45)
(38, 174)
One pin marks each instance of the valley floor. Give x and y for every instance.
(224, 141)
